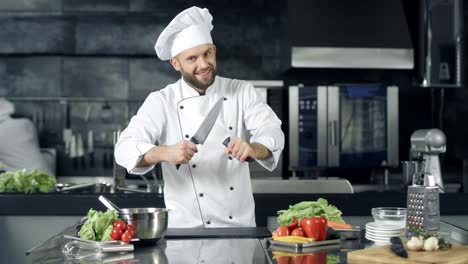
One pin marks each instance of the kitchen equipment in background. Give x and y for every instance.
(426, 145)
(409, 168)
(106, 113)
(440, 60)
(349, 125)
(349, 34)
(150, 223)
(119, 172)
(102, 187)
(423, 207)
(423, 195)
(90, 148)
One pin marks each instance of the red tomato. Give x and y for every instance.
(121, 224)
(116, 233)
(131, 231)
(298, 232)
(130, 226)
(282, 231)
(126, 237)
(275, 233)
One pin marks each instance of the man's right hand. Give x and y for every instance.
(180, 153)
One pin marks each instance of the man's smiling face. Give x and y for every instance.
(197, 66)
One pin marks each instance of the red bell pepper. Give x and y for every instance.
(293, 225)
(316, 258)
(315, 227)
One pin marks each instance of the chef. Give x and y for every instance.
(212, 186)
(19, 148)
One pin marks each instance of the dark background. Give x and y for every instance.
(102, 53)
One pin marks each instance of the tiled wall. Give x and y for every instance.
(91, 49)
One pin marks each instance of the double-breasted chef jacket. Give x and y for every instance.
(214, 188)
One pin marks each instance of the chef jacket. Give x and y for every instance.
(19, 148)
(213, 189)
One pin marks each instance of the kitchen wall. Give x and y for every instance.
(98, 57)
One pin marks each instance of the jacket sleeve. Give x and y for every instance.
(263, 125)
(144, 129)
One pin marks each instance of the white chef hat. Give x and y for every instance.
(190, 28)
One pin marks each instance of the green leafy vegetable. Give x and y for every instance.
(309, 209)
(26, 181)
(97, 225)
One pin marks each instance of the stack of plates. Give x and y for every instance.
(382, 233)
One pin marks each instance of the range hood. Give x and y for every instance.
(349, 34)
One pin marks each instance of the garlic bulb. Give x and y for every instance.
(415, 244)
(431, 244)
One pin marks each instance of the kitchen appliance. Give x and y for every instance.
(423, 209)
(426, 145)
(423, 195)
(440, 60)
(370, 34)
(345, 125)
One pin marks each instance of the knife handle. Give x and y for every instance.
(226, 142)
(194, 141)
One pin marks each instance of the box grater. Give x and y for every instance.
(423, 209)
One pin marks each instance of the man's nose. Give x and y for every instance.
(202, 62)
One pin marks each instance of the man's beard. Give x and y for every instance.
(194, 82)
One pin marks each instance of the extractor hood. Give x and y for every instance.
(349, 34)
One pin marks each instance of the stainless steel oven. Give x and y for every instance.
(346, 125)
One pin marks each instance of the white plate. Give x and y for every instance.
(383, 237)
(386, 233)
(374, 226)
(379, 240)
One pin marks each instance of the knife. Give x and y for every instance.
(207, 124)
(397, 247)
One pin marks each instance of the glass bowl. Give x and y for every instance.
(389, 216)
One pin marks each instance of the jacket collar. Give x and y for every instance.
(189, 91)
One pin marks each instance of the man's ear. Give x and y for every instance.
(175, 64)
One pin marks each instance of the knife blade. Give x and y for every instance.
(205, 128)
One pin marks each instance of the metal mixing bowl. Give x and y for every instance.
(149, 223)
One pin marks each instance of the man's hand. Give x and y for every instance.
(180, 153)
(242, 150)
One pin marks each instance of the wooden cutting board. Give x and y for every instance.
(382, 254)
